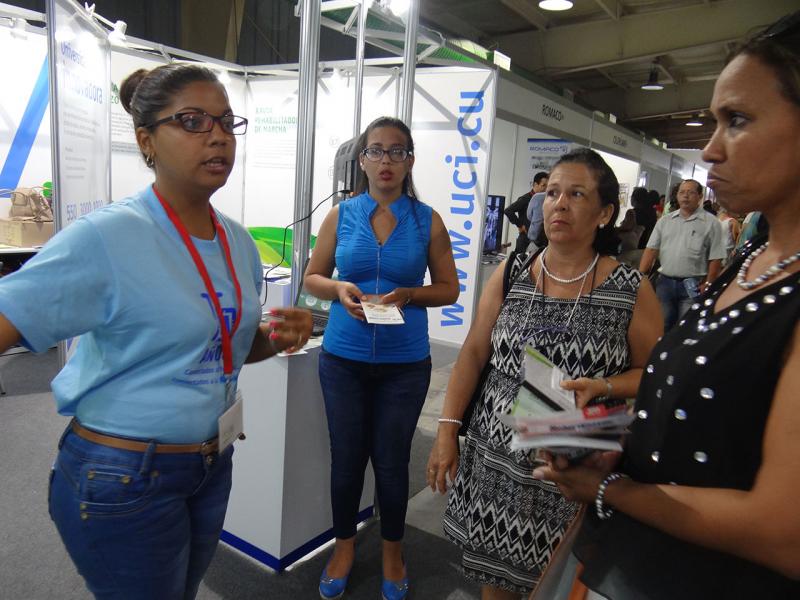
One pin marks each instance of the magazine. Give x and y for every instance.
(545, 416)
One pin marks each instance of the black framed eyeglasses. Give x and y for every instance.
(374, 154)
(202, 122)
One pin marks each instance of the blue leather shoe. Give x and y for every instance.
(394, 590)
(330, 588)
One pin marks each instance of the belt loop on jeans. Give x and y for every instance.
(147, 459)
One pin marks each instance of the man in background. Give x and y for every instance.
(689, 244)
(517, 212)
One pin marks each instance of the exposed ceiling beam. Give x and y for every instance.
(639, 37)
(447, 20)
(634, 103)
(612, 7)
(614, 80)
(526, 10)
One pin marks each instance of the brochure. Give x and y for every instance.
(545, 416)
(382, 314)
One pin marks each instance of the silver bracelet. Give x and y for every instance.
(446, 420)
(605, 513)
(609, 387)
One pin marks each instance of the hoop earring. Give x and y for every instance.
(150, 161)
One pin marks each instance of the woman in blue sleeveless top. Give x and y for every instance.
(375, 377)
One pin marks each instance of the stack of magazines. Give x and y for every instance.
(545, 416)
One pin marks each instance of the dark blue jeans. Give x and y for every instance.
(372, 414)
(139, 525)
(676, 296)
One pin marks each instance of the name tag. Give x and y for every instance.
(231, 423)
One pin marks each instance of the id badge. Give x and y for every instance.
(231, 423)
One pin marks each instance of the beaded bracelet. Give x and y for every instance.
(446, 420)
(601, 492)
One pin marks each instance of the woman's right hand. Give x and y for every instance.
(350, 297)
(443, 461)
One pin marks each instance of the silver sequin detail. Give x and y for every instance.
(769, 299)
(787, 289)
(713, 326)
(734, 313)
(695, 306)
(680, 414)
(751, 307)
(670, 379)
(689, 342)
(708, 302)
(659, 393)
(701, 360)
(703, 313)
(681, 323)
(707, 393)
(662, 356)
(700, 456)
(642, 414)
(723, 320)
(737, 330)
(650, 368)
(655, 456)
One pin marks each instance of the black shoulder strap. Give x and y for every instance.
(507, 282)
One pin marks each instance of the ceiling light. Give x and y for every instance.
(555, 4)
(652, 81)
(694, 121)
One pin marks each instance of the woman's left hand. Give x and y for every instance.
(585, 389)
(291, 328)
(398, 296)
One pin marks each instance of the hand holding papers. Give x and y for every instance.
(381, 314)
(544, 415)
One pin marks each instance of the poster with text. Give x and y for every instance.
(80, 111)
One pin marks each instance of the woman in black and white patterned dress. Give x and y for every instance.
(595, 319)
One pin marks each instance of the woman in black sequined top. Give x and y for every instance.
(704, 500)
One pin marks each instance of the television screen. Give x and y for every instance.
(492, 231)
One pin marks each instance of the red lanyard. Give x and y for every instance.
(227, 351)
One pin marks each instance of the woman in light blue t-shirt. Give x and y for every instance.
(375, 377)
(164, 292)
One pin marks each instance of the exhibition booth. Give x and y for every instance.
(477, 131)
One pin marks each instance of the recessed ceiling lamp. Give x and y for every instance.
(652, 84)
(555, 4)
(694, 121)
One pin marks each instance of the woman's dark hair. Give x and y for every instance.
(605, 240)
(362, 184)
(638, 197)
(143, 94)
(778, 47)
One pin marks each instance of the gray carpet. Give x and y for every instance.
(35, 566)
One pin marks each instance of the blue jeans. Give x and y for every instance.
(138, 525)
(372, 414)
(676, 296)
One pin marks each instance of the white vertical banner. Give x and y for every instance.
(454, 111)
(80, 117)
(80, 76)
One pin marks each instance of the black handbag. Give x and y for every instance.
(466, 418)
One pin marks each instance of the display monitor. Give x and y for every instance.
(345, 169)
(492, 230)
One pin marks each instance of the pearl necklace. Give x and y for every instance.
(741, 277)
(574, 279)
